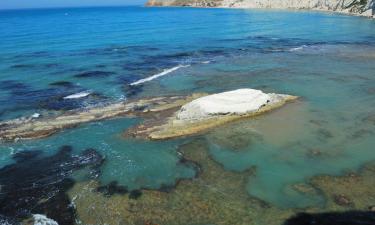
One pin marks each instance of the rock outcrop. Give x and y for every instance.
(43, 126)
(211, 111)
(356, 7)
(166, 117)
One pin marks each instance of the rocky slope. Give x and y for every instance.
(356, 7)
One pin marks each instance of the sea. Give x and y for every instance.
(56, 60)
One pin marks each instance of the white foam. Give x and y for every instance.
(206, 62)
(298, 48)
(78, 95)
(35, 115)
(165, 72)
(43, 220)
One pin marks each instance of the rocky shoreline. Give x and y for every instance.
(43, 126)
(166, 117)
(351, 7)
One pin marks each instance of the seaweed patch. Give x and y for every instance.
(333, 218)
(96, 74)
(38, 183)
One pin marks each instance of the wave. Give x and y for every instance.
(165, 72)
(78, 95)
(298, 48)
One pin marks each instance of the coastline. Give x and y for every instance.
(291, 9)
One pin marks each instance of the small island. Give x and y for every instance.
(211, 111)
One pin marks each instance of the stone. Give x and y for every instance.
(237, 102)
(210, 111)
(342, 200)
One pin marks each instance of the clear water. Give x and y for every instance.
(327, 59)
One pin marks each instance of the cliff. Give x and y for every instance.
(356, 7)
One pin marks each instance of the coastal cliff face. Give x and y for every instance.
(357, 7)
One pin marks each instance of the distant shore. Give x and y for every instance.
(347, 7)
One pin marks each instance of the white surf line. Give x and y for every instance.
(165, 72)
(78, 95)
(298, 48)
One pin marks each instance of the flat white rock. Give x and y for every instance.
(238, 102)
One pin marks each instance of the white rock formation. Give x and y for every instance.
(357, 7)
(237, 102)
(43, 220)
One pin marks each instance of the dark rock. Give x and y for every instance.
(62, 84)
(94, 74)
(50, 65)
(342, 200)
(132, 90)
(135, 194)
(324, 134)
(22, 66)
(13, 86)
(334, 218)
(166, 188)
(36, 184)
(112, 188)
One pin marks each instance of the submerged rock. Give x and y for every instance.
(94, 74)
(213, 110)
(215, 196)
(37, 184)
(333, 218)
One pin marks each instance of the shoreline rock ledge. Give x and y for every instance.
(210, 111)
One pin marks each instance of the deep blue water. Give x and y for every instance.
(327, 59)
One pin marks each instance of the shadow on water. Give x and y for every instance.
(333, 218)
(36, 184)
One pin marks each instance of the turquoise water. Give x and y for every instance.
(326, 59)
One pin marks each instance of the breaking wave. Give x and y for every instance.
(165, 72)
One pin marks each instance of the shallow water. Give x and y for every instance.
(326, 59)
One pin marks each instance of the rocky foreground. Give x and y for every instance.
(355, 7)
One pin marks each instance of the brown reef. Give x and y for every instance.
(216, 196)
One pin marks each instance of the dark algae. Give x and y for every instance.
(333, 218)
(36, 184)
(93, 74)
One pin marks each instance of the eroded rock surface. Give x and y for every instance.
(210, 111)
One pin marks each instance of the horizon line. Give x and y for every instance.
(72, 7)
